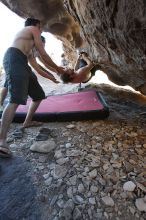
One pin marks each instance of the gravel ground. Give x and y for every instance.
(90, 170)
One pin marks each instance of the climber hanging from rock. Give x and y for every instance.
(83, 71)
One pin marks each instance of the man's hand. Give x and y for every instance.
(55, 81)
(61, 70)
(52, 78)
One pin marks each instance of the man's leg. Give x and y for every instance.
(3, 95)
(28, 120)
(85, 71)
(87, 59)
(37, 94)
(7, 117)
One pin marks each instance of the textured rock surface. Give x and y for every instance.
(114, 33)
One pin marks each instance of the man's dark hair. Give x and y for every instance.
(43, 39)
(31, 22)
(66, 78)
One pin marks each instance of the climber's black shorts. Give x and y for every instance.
(20, 79)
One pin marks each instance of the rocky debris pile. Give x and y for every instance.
(92, 169)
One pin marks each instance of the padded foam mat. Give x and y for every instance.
(84, 105)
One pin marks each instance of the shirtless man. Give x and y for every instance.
(36, 66)
(39, 68)
(80, 75)
(21, 83)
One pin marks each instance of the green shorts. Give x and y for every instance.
(21, 81)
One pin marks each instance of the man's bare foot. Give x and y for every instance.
(32, 124)
(5, 151)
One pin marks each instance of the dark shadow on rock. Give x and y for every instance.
(18, 195)
(123, 104)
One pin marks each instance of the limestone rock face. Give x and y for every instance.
(114, 33)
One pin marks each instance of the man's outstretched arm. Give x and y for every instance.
(46, 58)
(40, 70)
